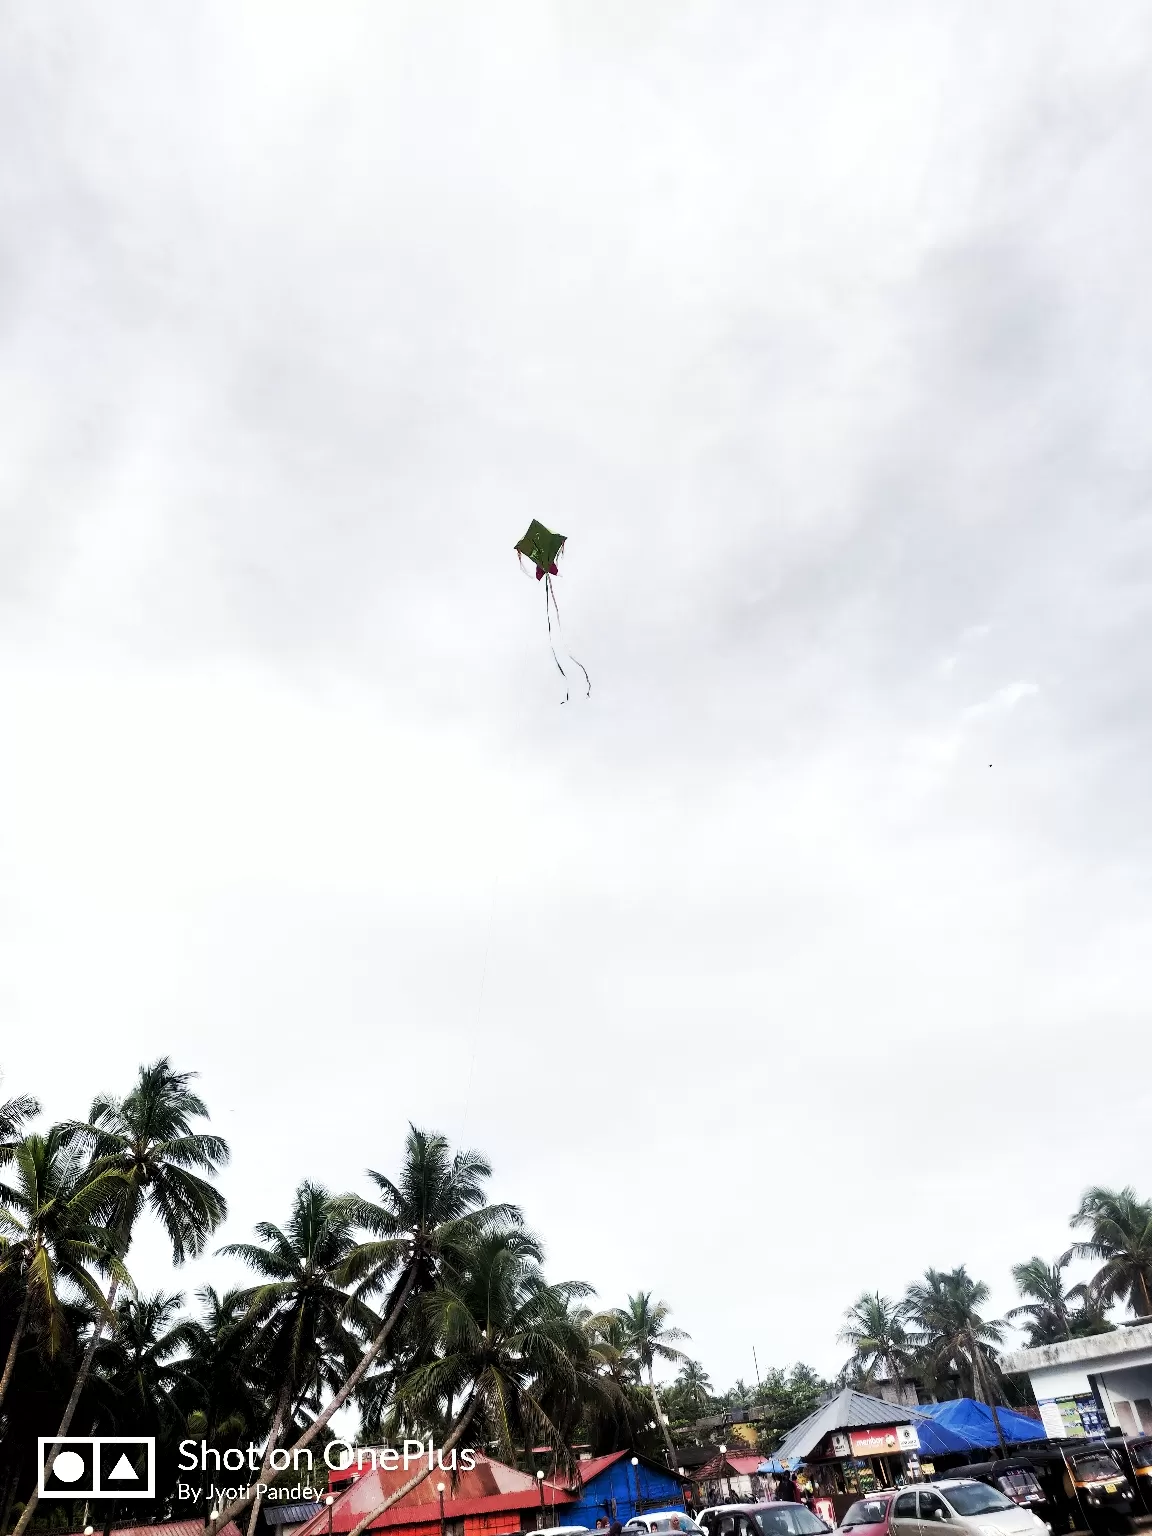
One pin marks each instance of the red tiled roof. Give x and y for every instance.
(744, 1466)
(486, 1488)
(739, 1466)
(175, 1528)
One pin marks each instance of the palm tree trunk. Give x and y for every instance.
(10, 1363)
(453, 1439)
(273, 1441)
(978, 1374)
(317, 1424)
(671, 1449)
(73, 1402)
(1144, 1293)
(9, 1498)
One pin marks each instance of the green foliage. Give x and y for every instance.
(1120, 1237)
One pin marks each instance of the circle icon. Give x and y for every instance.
(69, 1467)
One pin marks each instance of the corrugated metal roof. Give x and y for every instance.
(596, 1464)
(289, 1514)
(847, 1410)
(488, 1487)
(175, 1528)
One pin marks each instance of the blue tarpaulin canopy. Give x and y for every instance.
(776, 1467)
(966, 1425)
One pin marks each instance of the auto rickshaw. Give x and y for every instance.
(1085, 1486)
(1015, 1477)
(1135, 1456)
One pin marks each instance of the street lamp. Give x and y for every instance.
(329, 1501)
(540, 1485)
(440, 1495)
(727, 1481)
(636, 1475)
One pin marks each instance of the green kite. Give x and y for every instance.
(544, 548)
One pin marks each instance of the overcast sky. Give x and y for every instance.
(812, 948)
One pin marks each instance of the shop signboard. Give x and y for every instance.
(876, 1442)
(841, 1445)
(908, 1437)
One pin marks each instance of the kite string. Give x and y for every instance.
(551, 592)
(548, 606)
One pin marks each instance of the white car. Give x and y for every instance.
(962, 1507)
(659, 1522)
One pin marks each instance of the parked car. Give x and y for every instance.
(775, 1519)
(965, 1506)
(869, 1516)
(658, 1522)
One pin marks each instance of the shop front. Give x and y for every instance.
(849, 1463)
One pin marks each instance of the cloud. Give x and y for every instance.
(824, 338)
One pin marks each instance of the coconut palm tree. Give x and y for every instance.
(418, 1226)
(504, 1340)
(309, 1328)
(1053, 1312)
(145, 1363)
(431, 1212)
(1120, 1227)
(14, 1115)
(223, 1384)
(51, 1236)
(165, 1167)
(695, 1387)
(874, 1327)
(650, 1339)
(951, 1331)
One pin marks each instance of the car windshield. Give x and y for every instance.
(1018, 1480)
(976, 1499)
(789, 1520)
(866, 1512)
(1141, 1454)
(1090, 1468)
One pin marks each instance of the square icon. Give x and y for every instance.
(73, 1472)
(98, 1467)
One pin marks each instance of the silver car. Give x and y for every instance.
(962, 1507)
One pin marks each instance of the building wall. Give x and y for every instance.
(1127, 1396)
(1123, 1382)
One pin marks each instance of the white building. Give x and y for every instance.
(1088, 1386)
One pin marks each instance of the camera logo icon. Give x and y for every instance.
(97, 1467)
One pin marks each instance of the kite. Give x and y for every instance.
(544, 548)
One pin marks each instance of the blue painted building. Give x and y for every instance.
(613, 1489)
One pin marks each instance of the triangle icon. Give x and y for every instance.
(123, 1470)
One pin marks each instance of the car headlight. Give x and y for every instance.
(1093, 1498)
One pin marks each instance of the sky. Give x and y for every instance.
(810, 949)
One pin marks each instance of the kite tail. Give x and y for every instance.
(550, 603)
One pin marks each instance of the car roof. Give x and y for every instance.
(716, 1509)
(955, 1482)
